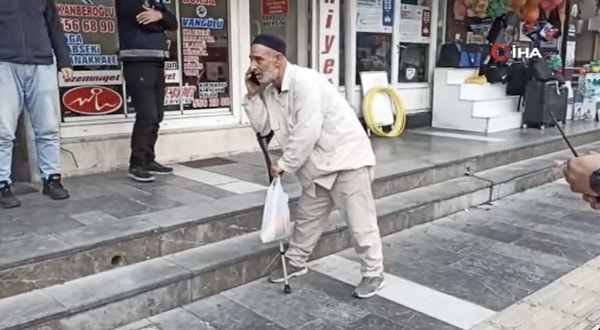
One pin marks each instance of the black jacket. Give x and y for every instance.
(142, 42)
(29, 31)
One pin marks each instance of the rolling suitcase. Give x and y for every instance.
(541, 97)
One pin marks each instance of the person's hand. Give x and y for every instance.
(594, 201)
(577, 173)
(67, 73)
(148, 16)
(276, 171)
(251, 85)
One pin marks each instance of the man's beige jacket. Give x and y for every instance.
(313, 123)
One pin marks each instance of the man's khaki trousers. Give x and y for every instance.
(351, 194)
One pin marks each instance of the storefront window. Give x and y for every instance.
(205, 53)
(196, 72)
(279, 18)
(376, 32)
(96, 89)
(374, 27)
(415, 38)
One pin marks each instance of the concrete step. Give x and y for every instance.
(104, 246)
(116, 297)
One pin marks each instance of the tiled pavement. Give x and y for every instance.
(450, 274)
(112, 196)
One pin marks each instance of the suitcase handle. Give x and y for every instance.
(556, 84)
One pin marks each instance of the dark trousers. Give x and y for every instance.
(146, 86)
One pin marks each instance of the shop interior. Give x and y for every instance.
(473, 88)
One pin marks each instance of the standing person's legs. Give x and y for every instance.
(353, 196)
(310, 219)
(42, 103)
(11, 94)
(141, 79)
(152, 165)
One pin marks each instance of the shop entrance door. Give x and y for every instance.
(287, 19)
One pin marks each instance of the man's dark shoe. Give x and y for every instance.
(158, 169)
(7, 198)
(140, 174)
(54, 188)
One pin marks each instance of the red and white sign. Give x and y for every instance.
(92, 100)
(172, 76)
(174, 94)
(92, 78)
(329, 35)
(275, 7)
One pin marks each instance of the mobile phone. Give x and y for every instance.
(253, 79)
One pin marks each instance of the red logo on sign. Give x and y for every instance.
(92, 100)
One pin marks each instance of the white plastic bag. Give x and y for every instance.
(276, 223)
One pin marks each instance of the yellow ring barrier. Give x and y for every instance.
(369, 117)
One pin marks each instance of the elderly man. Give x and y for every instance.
(29, 80)
(326, 147)
(583, 176)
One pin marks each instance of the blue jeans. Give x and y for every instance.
(35, 88)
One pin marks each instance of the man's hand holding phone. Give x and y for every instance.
(252, 84)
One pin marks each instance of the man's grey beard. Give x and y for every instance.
(268, 77)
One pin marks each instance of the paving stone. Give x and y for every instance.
(143, 324)
(48, 221)
(87, 291)
(475, 245)
(14, 230)
(244, 172)
(223, 313)
(517, 274)
(180, 195)
(485, 228)
(179, 319)
(210, 191)
(318, 325)
(91, 217)
(374, 322)
(28, 308)
(384, 308)
(114, 205)
(296, 309)
(105, 230)
(29, 248)
(576, 251)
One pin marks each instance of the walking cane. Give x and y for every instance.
(263, 142)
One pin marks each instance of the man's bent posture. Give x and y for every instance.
(326, 147)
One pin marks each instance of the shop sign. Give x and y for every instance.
(376, 16)
(91, 32)
(329, 34)
(275, 7)
(92, 78)
(172, 75)
(174, 95)
(503, 52)
(387, 15)
(415, 24)
(92, 100)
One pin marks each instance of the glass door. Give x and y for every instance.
(287, 19)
